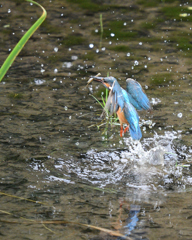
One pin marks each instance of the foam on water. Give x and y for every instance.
(146, 165)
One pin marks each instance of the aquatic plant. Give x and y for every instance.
(72, 40)
(161, 79)
(109, 119)
(101, 27)
(120, 48)
(89, 5)
(118, 30)
(176, 13)
(10, 59)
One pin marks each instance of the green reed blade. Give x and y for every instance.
(101, 25)
(10, 59)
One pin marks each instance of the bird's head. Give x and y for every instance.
(106, 81)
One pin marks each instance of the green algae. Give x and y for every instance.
(161, 78)
(72, 40)
(120, 48)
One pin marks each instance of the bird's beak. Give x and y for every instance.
(93, 78)
(98, 79)
(102, 80)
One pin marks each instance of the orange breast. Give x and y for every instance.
(107, 85)
(121, 117)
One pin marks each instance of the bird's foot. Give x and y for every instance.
(121, 131)
(126, 129)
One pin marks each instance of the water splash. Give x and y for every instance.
(145, 166)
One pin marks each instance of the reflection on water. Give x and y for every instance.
(131, 221)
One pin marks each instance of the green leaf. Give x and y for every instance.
(10, 59)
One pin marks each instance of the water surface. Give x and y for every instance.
(51, 150)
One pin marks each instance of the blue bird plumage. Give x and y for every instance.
(136, 95)
(132, 117)
(125, 102)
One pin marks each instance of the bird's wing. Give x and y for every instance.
(111, 105)
(136, 95)
(115, 99)
(119, 98)
(132, 117)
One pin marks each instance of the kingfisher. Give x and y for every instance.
(125, 102)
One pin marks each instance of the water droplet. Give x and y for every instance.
(110, 43)
(74, 57)
(67, 65)
(155, 101)
(124, 23)
(136, 63)
(96, 30)
(140, 43)
(91, 45)
(56, 49)
(97, 50)
(38, 81)
(180, 115)
(55, 70)
(145, 66)
(112, 34)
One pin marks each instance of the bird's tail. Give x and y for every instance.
(133, 120)
(135, 132)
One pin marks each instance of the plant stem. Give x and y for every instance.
(101, 26)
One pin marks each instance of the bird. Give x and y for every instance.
(125, 102)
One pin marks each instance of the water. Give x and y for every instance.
(52, 154)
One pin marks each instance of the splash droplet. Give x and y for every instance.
(91, 45)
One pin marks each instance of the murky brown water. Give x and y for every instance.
(49, 151)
